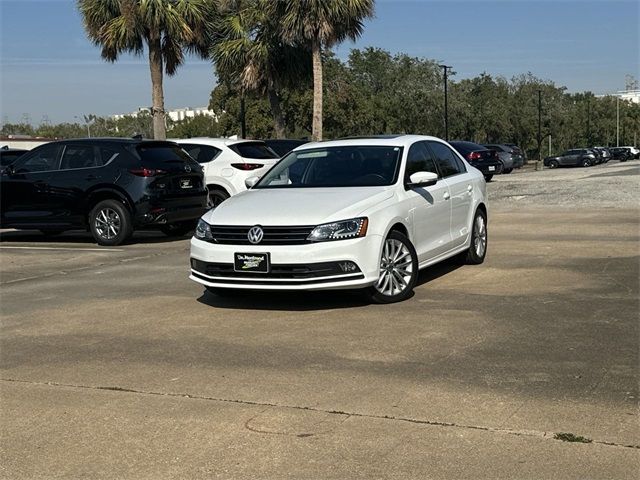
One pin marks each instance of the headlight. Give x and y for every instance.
(203, 231)
(354, 228)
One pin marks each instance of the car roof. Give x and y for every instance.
(6, 149)
(379, 140)
(111, 140)
(215, 142)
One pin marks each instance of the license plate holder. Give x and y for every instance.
(186, 183)
(251, 262)
(492, 169)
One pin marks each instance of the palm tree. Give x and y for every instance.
(169, 28)
(249, 52)
(321, 24)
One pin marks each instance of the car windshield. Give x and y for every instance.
(350, 166)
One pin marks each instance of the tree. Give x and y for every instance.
(169, 28)
(249, 51)
(321, 24)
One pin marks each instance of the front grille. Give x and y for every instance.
(234, 235)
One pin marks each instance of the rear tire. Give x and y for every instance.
(110, 223)
(479, 240)
(217, 196)
(508, 170)
(398, 270)
(586, 162)
(487, 178)
(553, 164)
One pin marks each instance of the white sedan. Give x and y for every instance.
(355, 213)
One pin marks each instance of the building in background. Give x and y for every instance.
(177, 114)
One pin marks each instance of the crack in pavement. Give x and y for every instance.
(506, 431)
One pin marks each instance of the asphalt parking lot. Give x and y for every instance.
(114, 365)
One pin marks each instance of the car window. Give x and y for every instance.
(201, 153)
(448, 162)
(108, 154)
(255, 150)
(340, 166)
(419, 159)
(42, 159)
(79, 156)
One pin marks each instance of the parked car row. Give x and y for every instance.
(365, 213)
(586, 157)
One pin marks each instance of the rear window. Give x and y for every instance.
(162, 153)
(255, 150)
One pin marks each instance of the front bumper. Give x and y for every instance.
(313, 266)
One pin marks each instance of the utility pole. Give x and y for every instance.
(617, 120)
(588, 121)
(539, 125)
(549, 144)
(446, 103)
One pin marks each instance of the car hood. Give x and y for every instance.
(297, 206)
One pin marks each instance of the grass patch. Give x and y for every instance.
(570, 437)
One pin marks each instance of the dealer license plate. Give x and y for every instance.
(251, 262)
(186, 183)
(492, 169)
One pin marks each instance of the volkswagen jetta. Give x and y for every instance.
(356, 213)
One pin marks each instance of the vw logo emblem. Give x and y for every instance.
(255, 234)
(187, 168)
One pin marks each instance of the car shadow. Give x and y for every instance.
(283, 300)
(439, 270)
(82, 237)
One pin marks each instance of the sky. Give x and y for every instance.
(48, 68)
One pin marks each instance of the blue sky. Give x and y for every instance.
(48, 67)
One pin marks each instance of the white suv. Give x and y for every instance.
(228, 163)
(356, 213)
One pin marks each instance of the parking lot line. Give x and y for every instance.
(9, 247)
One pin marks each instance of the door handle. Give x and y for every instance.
(469, 188)
(446, 196)
(91, 177)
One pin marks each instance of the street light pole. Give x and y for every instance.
(618, 121)
(446, 102)
(539, 125)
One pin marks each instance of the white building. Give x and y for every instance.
(176, 115)
(631, 95)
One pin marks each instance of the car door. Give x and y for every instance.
(80, 170)
(25, 187)
(569, 157)
(429, 207)
(455, 174)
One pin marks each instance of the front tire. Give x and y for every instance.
(478, 249)
(110, 223)
(586, 162)
(553, 164)
(398, 270)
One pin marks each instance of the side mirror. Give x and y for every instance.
(251, 181)
(9, 171)
(422, 179)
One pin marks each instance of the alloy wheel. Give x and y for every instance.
(396, 268)
(108, 223)
(480, 236)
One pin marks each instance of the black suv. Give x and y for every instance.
(109, 186)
